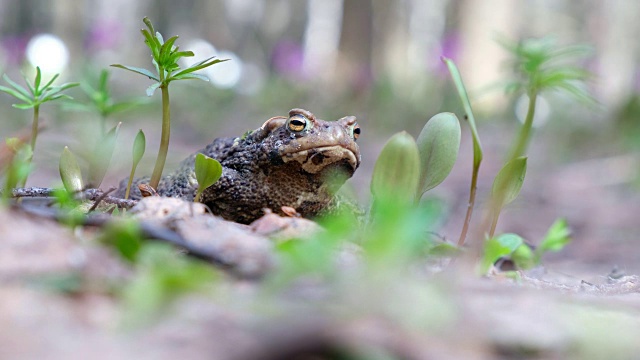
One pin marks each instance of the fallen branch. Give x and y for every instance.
(89, 194)
(152, 232)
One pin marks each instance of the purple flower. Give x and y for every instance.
(287, 59)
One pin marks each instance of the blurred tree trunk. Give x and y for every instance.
(480, 57)
(356, 40)
(616, 38)
(69, 24)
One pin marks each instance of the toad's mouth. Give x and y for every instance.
(315, 160)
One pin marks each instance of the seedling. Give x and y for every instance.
(406, 169)
(438, 145)
(513, 247)
(539, 66)
(477, 146)
(208, 171)
(100, 101)
(100, 157)
(506, 187)
(125, 237)
(34, 97)
(70, 172)
(165, 56)
(162, 275)
(139, 145)
(397, 170)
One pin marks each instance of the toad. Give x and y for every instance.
(298, 161)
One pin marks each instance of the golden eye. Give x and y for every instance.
(297, 123)
(356, 132)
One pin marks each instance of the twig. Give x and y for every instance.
(100, 198)
(90, 194)
(152, 232)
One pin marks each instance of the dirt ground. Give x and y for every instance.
(569, 309)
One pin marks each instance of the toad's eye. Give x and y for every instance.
(356, 132)
(297, 123)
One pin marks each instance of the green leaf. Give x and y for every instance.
(178, 54)
(201, 65)
(17, 87)
(208, 171)
(524, 257)
(33, 91)
(70, 171)
(189, 77)
(51, 81)
(498, 247)
(397, 170)
(159, 39)
(444, 249)
(38, 78)
(65, 86)
(151, 43)
(103, 81)
(139, 145)
(24, 106)
(165, 50)
(438, 144)
(101, 157)
(56, 97)
(152, 88)
(466, 104)
(16, 94)
(162, 275)
(138, 70)
(147, 22)
(125, 237)
(508, 182)
(557, 237)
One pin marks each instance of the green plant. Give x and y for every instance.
(165, 56)
(406, 168)
(513, 247)
(18, 167)
(397, 170)
(125, 237)
(101, 101)
(71, 214)
(506, 187)
(208, 171)
(139, 145)
(438, 145)
(34, 97)
(162, 275)
(100, 157)
(70, 172)
(477, 146)
(540, 65)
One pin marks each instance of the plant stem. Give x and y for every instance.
(472, 201)
(34, 127)
(34, 136)
(133, 171)
(525, 132)
(494, 222)
(164, 137)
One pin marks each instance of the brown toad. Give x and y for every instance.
(297, 161)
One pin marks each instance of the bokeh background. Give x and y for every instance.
(378, 60)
